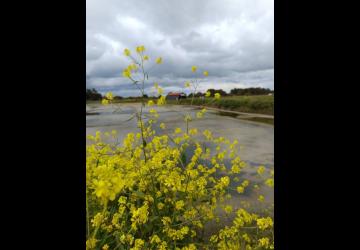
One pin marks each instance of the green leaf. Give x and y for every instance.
(183, 158)
(139, 193)
(153, 218)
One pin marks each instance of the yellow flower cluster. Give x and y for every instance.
(201, 113)
(140, 49)
(241, 234)
(108, 98)
(146, 190)
(127, 52)
(261, 170)
(159, 191)
(264, 223)
(161, 100)
(158, 60)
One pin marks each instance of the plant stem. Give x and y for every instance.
(87, 217)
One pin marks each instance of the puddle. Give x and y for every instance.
(247, 118)
(259, 119)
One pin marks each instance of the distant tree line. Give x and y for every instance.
(251, 91)
(92, 94)
(236, 91)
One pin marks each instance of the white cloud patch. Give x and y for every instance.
(233, 40)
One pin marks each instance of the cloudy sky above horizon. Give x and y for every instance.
(232, 39)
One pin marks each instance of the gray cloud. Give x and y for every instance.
(232, 39)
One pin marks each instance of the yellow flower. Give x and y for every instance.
(166, 220)
(105, 247)
(240, 189)
(126, 73)
(190, 247)
(245, 183)
(264, 242)
(261, 198)
(140, 215)
(228, 209)
(162, 246)
(178, 130)
(146, 58)
(201, 113)
(139, 243)
(122, 200)
(193, 131)
(207, 94)
(187, 84)
(91, 243)
(214, 238)
(235, 169)
(207, 134)
(179, 205)
(155, 239)
(160, 205)
(104, 101)
(132, 67)
(246, 238)
(225, 181)
(158, 60)
(109, 96)
(97, 220)
(161, 100)
(261, 170)
(150, 103)
(217, 96)
(270, 182)
(127, 52)
(193, 68)
(264, 223)
(187, 118)
(154, 113)
(206, 73)
(140, 49)
(162, 125)
(160, 91)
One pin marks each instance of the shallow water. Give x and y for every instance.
(256, 140)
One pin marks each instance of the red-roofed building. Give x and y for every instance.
(175, 96)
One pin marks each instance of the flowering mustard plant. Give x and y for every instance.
(149, 192)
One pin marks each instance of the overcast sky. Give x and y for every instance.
(232, 39)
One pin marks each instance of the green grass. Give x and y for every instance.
(249, 104)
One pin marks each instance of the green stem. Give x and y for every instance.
(97, 228)
(87, 216)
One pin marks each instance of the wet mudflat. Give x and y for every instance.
(256, 141)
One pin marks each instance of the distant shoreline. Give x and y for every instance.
(256, 104)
